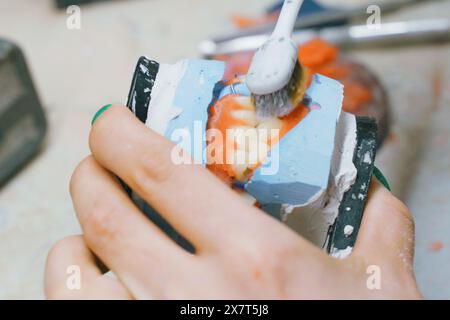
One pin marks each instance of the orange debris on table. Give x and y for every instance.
(436, 246)
(244, 22)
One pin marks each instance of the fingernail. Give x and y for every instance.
(100, 112)
(379, 175)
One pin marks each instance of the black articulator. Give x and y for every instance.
(22, 120)
(352, 206)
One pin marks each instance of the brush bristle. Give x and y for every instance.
(282, 102)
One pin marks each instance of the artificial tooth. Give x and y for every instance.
(245, 102)
(240, 164)
(269, 130)
(249, 116)
(270, 123)
(246, 138)
(258, 155)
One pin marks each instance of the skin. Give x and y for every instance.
(242, 253)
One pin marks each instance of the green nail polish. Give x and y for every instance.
(379, 175)
(100, 112)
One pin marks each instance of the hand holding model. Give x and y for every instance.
(241, 253)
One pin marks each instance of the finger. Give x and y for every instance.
(136, 250)
(71, 273)
(387, 230)
(190, 198)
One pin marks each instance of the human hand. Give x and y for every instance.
(241, 253)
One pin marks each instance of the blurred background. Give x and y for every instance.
(54, 76)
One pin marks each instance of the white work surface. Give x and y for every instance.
(77, 72)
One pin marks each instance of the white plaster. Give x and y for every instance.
(348, 230)
(313, 221)
(341, 254)
(161, 109)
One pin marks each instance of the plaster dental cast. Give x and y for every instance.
(224, 230)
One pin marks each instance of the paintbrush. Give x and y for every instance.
(276, 79)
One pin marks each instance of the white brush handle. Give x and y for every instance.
(274, 63)
(288, 17)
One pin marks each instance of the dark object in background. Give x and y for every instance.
(61, 4)
(311, 8)
(22, 120)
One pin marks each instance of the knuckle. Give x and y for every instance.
(156, 167)
(101, 224)
(270, 258)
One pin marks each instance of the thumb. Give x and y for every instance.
(387, 230)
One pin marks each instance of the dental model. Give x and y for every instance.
(310, 168)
